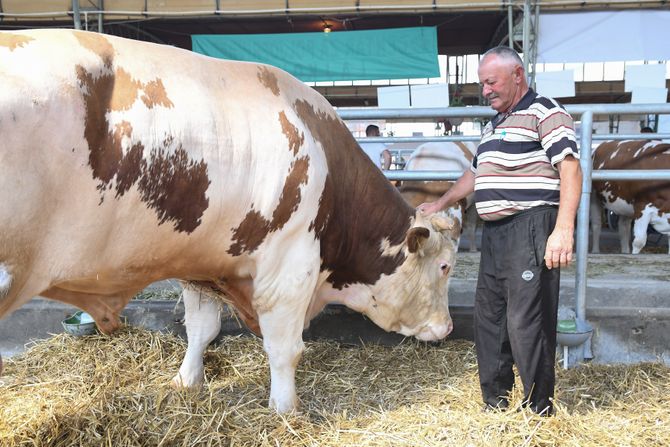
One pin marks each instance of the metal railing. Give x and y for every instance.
(585, 111)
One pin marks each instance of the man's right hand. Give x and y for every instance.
(429, 208)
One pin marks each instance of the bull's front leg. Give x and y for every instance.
(202, 318)
(282, 341)
(640, 226)
(283, 302)
(624, 226)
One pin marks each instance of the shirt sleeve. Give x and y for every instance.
(556, 130)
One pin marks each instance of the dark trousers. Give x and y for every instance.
(516, 305)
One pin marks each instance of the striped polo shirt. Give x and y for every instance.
(515, 166)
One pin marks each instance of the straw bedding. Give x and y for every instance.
(115, 391)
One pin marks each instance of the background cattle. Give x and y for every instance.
(641, 202)
(123, 163)
(443, 156)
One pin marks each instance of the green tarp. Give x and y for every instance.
(337, 56)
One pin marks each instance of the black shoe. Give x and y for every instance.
(496, 405)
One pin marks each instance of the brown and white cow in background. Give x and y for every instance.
(123, 163)
(641, 202)
(443, 156)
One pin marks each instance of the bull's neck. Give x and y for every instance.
(366, 212)
(359, 208)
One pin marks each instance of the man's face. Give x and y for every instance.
(500, 82)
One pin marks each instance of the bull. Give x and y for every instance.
(124, 163)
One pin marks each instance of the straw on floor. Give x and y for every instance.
(115, 391)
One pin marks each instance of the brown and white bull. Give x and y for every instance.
(443, 156)
(123, 163)
(641, 201)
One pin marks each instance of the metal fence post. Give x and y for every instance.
(583, 215)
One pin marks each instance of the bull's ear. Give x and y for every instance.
(416, 236)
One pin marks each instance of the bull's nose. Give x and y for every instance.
(435, 332)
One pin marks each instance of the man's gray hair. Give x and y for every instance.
(506, 53)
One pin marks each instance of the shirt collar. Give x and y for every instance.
(523, 104)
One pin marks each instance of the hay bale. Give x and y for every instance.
(100, 390)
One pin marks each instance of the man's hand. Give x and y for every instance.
(429, 207)
(559, 248)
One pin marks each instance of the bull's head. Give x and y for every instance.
(414, 299)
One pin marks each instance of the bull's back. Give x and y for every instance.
(145, 153)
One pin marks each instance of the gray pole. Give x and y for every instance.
(101, 7)
(510, 25)
(75, 14)
(583, 215)
(526, 35)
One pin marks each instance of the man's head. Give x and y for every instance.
(646, 129)
(372, 131)
(502, 77)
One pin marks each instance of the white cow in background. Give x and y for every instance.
(640, 202)
(443, 156)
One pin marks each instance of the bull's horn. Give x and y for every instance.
(442, 222)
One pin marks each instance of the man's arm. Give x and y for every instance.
(560, 242)
(464, 185)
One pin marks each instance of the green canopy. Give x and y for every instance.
(337, 56)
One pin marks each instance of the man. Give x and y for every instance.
(376, 151)
(527, 183)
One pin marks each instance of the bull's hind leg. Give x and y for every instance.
(202, 318)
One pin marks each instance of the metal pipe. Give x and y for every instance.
(423, 175)
(477, 138)
(526, 35)
(101, 7)
(362, 113)
(582, 247)
(510, 24)
(75, 14)
(625, 175)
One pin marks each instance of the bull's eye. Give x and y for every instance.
(444, 267)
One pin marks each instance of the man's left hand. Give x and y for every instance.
(559, 248)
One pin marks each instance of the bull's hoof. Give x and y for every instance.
(179, 383)
(284, 407)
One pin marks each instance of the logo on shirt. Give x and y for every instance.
(527, 275)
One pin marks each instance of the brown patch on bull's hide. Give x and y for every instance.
(98, 44)
(124, 92)
(13, 41)
(175, 186)
(253, 230)
(155, 94)
(295, 138)
(290, 195)
(105, 151)
(268, 79)
(171, 183)
(358, 208)
(639, 193)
